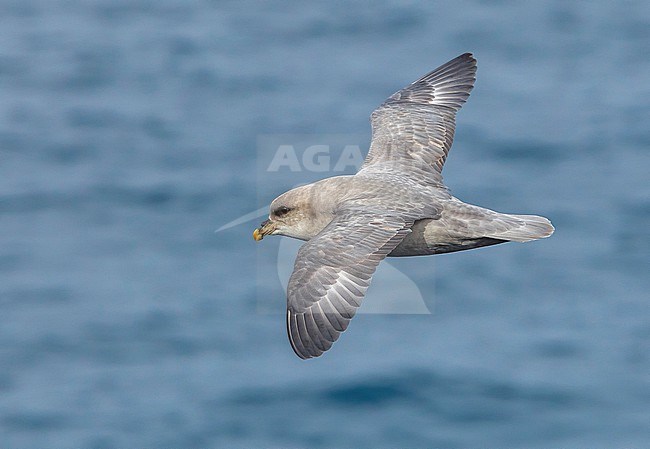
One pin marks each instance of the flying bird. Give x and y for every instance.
(395, 205)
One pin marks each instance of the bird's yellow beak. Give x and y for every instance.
(265, 229)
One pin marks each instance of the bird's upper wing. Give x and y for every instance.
(414, 129)
(331, 275)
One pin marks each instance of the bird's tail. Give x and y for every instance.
(523, 228)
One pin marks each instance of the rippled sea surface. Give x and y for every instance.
(130, 131)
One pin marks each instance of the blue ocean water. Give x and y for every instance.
(129, 132)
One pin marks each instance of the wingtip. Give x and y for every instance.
(467, 56)
(469, 59)
(301, 354)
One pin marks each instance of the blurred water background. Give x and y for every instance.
(129, 133)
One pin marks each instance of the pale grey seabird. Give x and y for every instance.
(395, 205)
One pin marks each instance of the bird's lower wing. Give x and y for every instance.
(332, 273)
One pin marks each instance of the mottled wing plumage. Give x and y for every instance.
(414, 129)
(331, 276)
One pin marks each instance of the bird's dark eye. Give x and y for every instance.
(281, 211)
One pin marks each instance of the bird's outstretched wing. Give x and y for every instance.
(332, 273)
(413, 129)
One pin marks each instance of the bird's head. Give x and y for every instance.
(290, 215)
